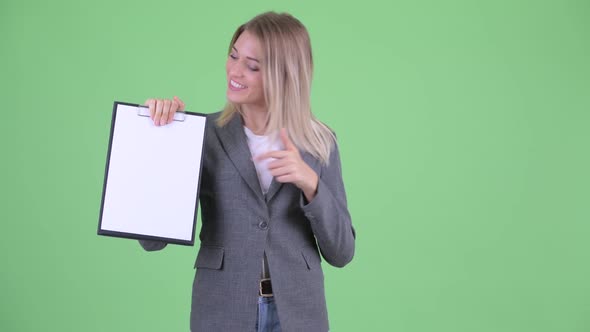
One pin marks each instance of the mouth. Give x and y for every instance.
(235, 86)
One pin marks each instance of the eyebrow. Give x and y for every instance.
(247, 56)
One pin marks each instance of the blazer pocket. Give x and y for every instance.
(210, 257)
(311, 257)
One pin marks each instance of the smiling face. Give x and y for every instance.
(244, 72)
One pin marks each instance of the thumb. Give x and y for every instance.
(180, 103)
(286, 141)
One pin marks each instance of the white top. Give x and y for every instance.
(258, 145)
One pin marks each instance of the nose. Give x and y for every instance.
(234, 69)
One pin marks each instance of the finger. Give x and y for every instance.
(278, 163)
(286, 141)
(158, 114)
(272, 154)
(151, 104)
(180, 103)
(285, 170)
(285, 179)
(165, 111)
(173, 108)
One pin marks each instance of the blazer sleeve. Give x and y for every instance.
(150, 245)
(328, 214)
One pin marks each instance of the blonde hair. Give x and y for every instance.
(287, 72)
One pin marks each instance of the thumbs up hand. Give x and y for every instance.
(289, 167)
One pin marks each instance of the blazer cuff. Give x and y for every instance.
(314, 208)
(150, 245)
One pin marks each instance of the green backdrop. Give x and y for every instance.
(463, 128)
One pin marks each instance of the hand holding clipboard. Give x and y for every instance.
(162, 110)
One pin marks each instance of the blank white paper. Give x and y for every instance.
(153, 175)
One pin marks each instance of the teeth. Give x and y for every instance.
(237, 85)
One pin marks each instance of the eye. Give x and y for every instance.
(233, 56)
(253, 68)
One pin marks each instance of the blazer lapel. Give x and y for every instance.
(273, 189)
(234, 142)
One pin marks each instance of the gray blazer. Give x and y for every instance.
(240, 224)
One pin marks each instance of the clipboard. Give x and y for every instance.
(152, 176)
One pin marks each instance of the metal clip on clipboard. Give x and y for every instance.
(145, 111)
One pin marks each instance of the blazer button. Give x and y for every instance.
(263, 225)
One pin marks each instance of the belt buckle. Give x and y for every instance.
(265, 287)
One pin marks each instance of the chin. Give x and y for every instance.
(234, 100)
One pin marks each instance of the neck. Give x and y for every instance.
(255, 118)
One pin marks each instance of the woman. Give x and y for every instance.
(271, 195)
